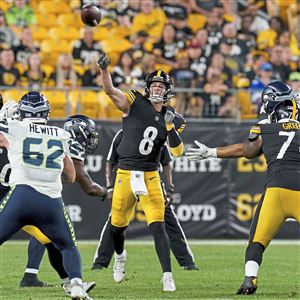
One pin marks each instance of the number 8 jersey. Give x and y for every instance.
(36, 154)
(144, 134)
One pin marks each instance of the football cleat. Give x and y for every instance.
(191, 267)
(119, 266)
(33, 281)
(168, 282)
(97, 267)
(87, 286)
(248, 287)
(77, 291)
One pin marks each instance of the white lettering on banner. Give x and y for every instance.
(182, 164)
(93, 163)
(74, 212)
(195, 213)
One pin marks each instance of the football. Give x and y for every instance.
(91, 15)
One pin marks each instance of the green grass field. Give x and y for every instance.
(221, 273)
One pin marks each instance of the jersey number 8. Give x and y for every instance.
(146, 144)
(36, 158)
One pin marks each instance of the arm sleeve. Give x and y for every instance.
(112, 155)
(165, 157)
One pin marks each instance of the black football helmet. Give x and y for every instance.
(1, 101)
(34, 106)
(275, 92)
(287, 109)
(159, 76)
(83, 130)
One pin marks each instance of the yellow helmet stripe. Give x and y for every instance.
(158, 73)
(294, 110)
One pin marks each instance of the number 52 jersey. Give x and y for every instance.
(36, 153)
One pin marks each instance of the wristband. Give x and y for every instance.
(214, 152)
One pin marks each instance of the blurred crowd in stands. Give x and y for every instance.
(219, 53)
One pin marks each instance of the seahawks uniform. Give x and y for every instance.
(144, 134)
(178, 242)
(281, 146)
(36, 154)
(4, 173)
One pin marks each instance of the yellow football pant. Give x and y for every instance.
(277, 205)
(36, 233)
(124, 201)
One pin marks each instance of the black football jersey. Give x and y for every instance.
(144, 134)
(4, 172)
(281, 147)
(113, 157)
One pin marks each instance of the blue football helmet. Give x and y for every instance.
(83, 130)
(34, 106)
(275, 92)
(287, 109)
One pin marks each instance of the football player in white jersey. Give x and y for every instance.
(84, 140)
(39, 160)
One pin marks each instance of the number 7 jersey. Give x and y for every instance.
(36, 154)
(281, 147)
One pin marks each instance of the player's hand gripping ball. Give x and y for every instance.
(91, 15)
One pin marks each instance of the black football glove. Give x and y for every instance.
(103, 61)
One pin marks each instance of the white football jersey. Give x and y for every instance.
(36, 153)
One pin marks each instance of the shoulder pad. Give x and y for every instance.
(131, 95)
(254, 133)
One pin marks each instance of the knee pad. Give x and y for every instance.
(254, 252)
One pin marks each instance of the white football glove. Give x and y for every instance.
(203, 152)
(9, 110)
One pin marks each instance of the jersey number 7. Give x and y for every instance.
(36, 158)
(285, 145)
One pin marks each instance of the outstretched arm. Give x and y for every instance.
(116, 95)
(247, 150)
(85, 181)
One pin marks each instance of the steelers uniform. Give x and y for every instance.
(281, 198)
(144, 134)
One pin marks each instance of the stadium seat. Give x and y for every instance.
(101, 33)
(109, 109)
(39, 33)
(53, 7)
(59, 105)
(14, 94)
(163, 67)
(89, 104)
(69, 20)
(48, 20)
(66, 33)
(73, 97)
(115, 45)
(248, 110)
(48, 69)
(58, 46)
(196, 21)
(49, 58)
(4, 5)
